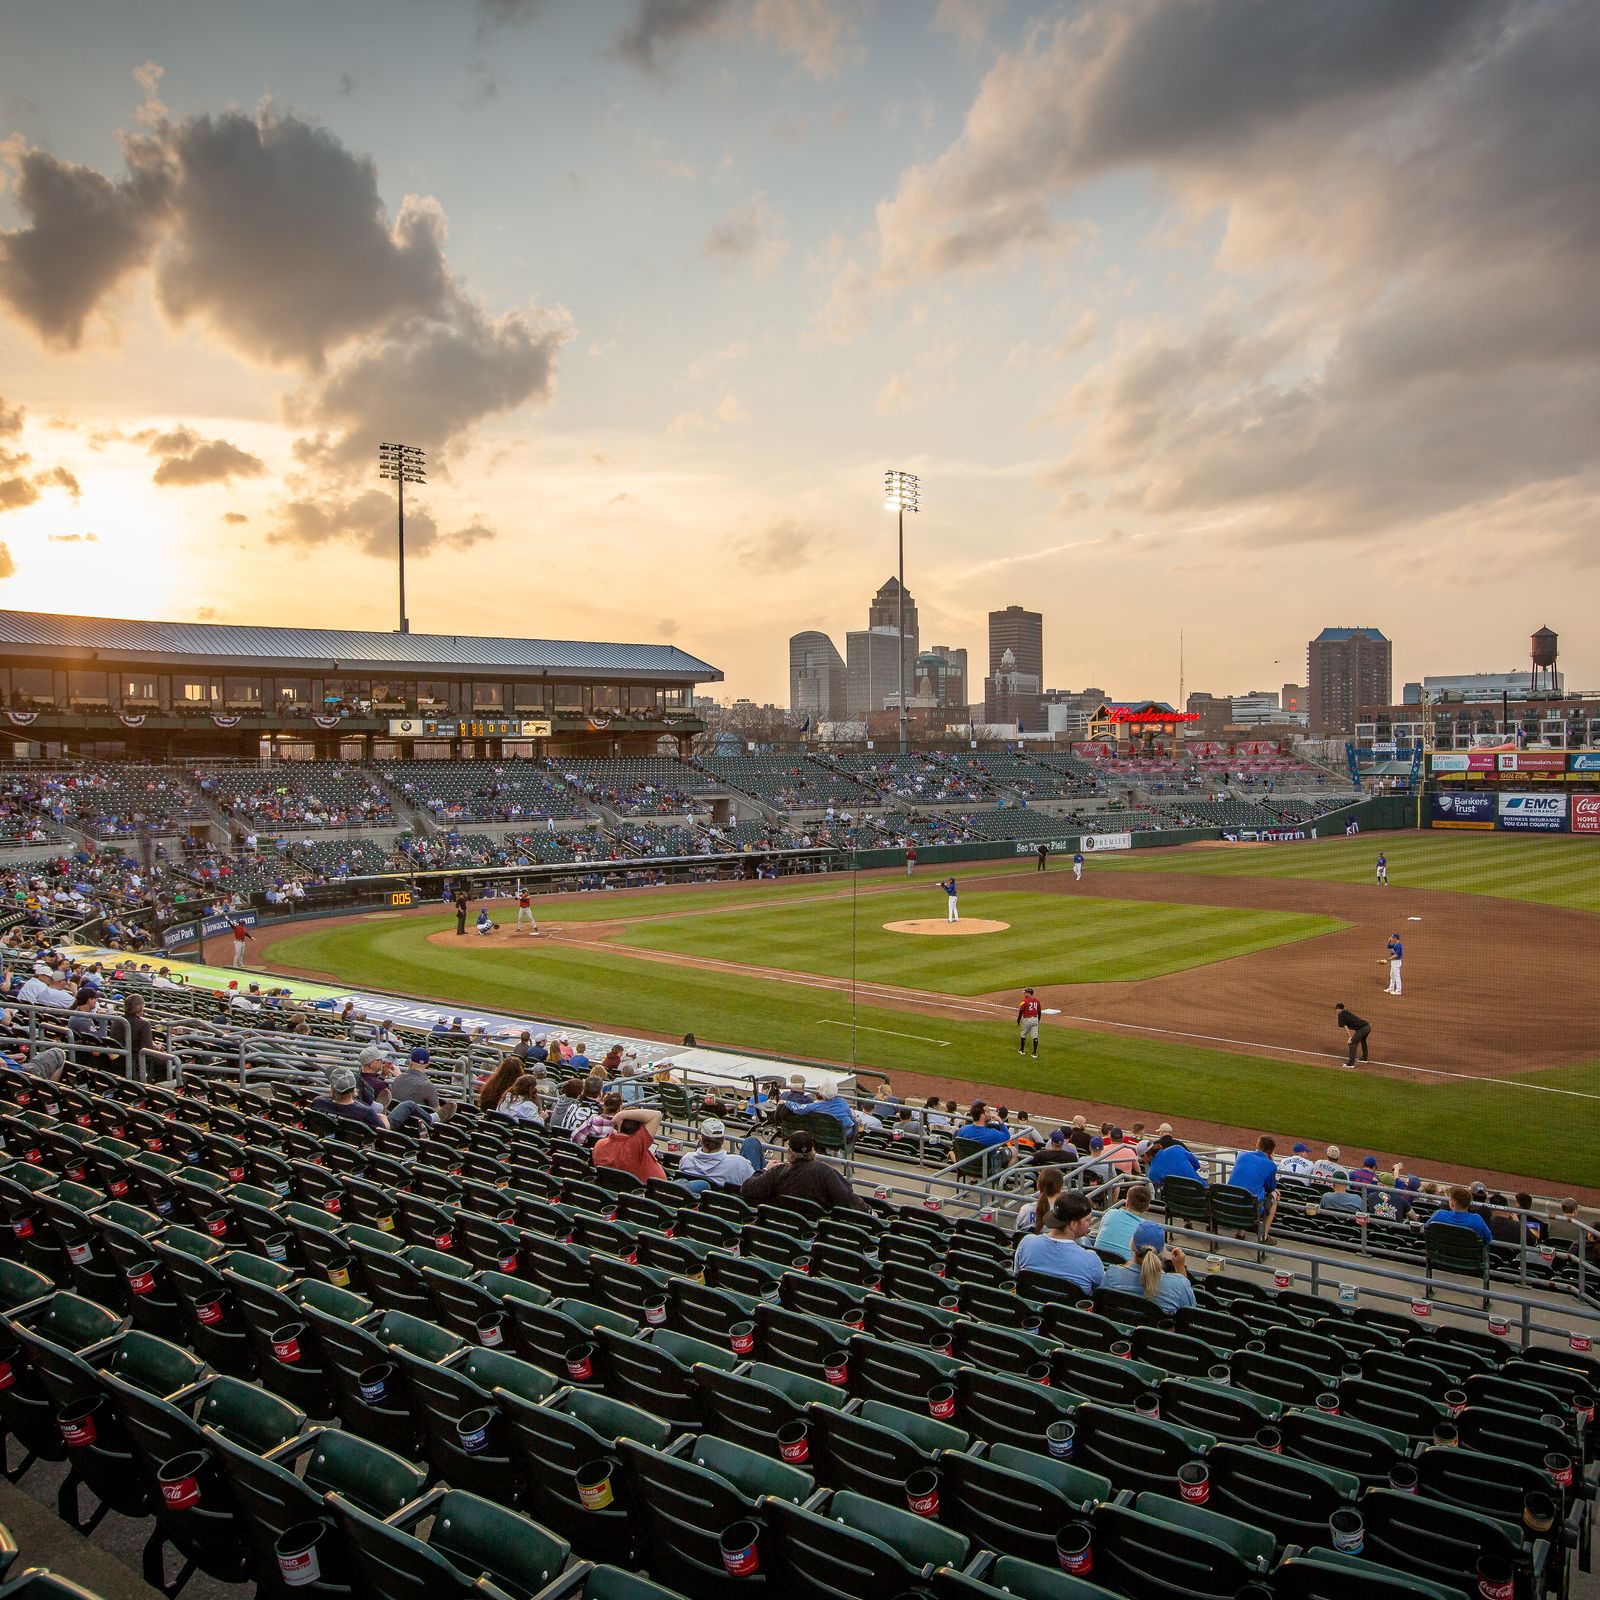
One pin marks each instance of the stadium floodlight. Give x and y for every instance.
(402, 464)
(900, 490)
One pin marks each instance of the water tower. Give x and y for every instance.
(1544, 660)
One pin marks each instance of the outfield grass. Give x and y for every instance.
(1553, 871)
(1504, 1127)
(1052, 938)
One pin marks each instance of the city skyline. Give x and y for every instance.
(1186, 322)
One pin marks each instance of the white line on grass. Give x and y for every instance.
(829, 1022)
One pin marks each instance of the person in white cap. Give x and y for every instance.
(711, 1163)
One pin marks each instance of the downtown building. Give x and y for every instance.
(1014, 690)
(1346, 669)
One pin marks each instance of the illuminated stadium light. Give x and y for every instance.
(900, 491)
(402, 464)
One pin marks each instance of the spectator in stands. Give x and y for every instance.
(1299, 1164)
(342, 1101)
(803, 1176)
(1367, 1172)
(1057, 1252)
(47, 1064)
(1538, 1228)
(1078, 1136)
(599, 1122)
(33, 992)
(1341, 1199)
(521, 1101)
(1256, 1171)
(1506, 1224)
(1092, 1171)
(627, 1147)
(88, 1030)
(1460, 1214)
(829, 1102)
(1331, 1165)
(498, 1084)
(1048, 1183)
(613, 1060)
(933, 1116)
(134, 1039)
(1121, 1222)
(711, 1164)
(1146, 1274)
(413, 1086)
(1173, 1159)
(983, 1126)
(578, 1061)
(569, 1109)
(1119, 1154)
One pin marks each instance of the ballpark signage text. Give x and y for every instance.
(1585, 760)
(1586, 813)
(1105, 841)
(448, 728)
(1533, 813)
(1451, 762)
(205, 928)
(1463, 811)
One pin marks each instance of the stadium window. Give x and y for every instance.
(294, 691)
(435, 695)
(570, 697)
(675, 699)
(32, 685)
(242, 691)
(89, 686)
(488, 696)
(606, 697)
(531, 697)
(195, 691)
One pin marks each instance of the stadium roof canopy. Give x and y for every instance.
(340, 649)
(1340, 635)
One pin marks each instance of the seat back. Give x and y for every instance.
(1290, 1499)
(1153, 1558)
(850, 1452)
(1002, 1508)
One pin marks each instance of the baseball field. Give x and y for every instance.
(1196, 984)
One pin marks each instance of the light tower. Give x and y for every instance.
(900, 491)
(402, 463)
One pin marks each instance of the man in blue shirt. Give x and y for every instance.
(949, 887)
(1256, 1171)
(1461, 1214)
(983, 1127)
(1396, 950)
(1173, 1160)
(1058, 1252)
(830, 1103)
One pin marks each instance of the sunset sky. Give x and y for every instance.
(1238, 316)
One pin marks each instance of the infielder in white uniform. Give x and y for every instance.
(1077, 866)
(1383, 867)
(1396, 950)
(949, 887)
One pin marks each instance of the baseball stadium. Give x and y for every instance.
(338, 963)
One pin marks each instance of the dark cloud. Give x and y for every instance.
(504, 13)
(367, 520)
(280, 242)
(8, 565)
(234, 517)
(784, 545)
(21, 483)
(82, 235)
(667, 628)
(347, 84)
(430, 380)
(186, 460)
(660, 28)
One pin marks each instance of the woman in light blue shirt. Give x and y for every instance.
(1145, 1275)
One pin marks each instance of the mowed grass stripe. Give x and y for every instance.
(1552, 871)
(1490, 1126)
(1051, 939)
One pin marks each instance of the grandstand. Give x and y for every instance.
(297, 795)
(640, 788)
(482, 791)
(411, 1346)
(790, 782)
(1021, 775)
(924, 780)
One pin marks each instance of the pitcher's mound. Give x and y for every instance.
(939, 928)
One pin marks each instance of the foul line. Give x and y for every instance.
(829, 1022)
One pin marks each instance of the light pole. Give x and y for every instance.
(900, 495)
(403, 464)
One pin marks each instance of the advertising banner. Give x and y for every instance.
(1481, 761)
(1584, 761)
(1533, 813)
(205, 928)
(1586, 813)
(480, 728)
(1542, 761)
(1455, 761)
(1105, 841)
(1464, 811)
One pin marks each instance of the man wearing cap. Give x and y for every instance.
(712, 1164)
(1028, 1022)
(413, 1087)
(1299, 1164)
(1331, 1165)
(33, 992)
(342, 1101)
(1367, 1172)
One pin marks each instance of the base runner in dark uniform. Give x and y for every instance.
(1359, 1029)
(1028, 1022)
